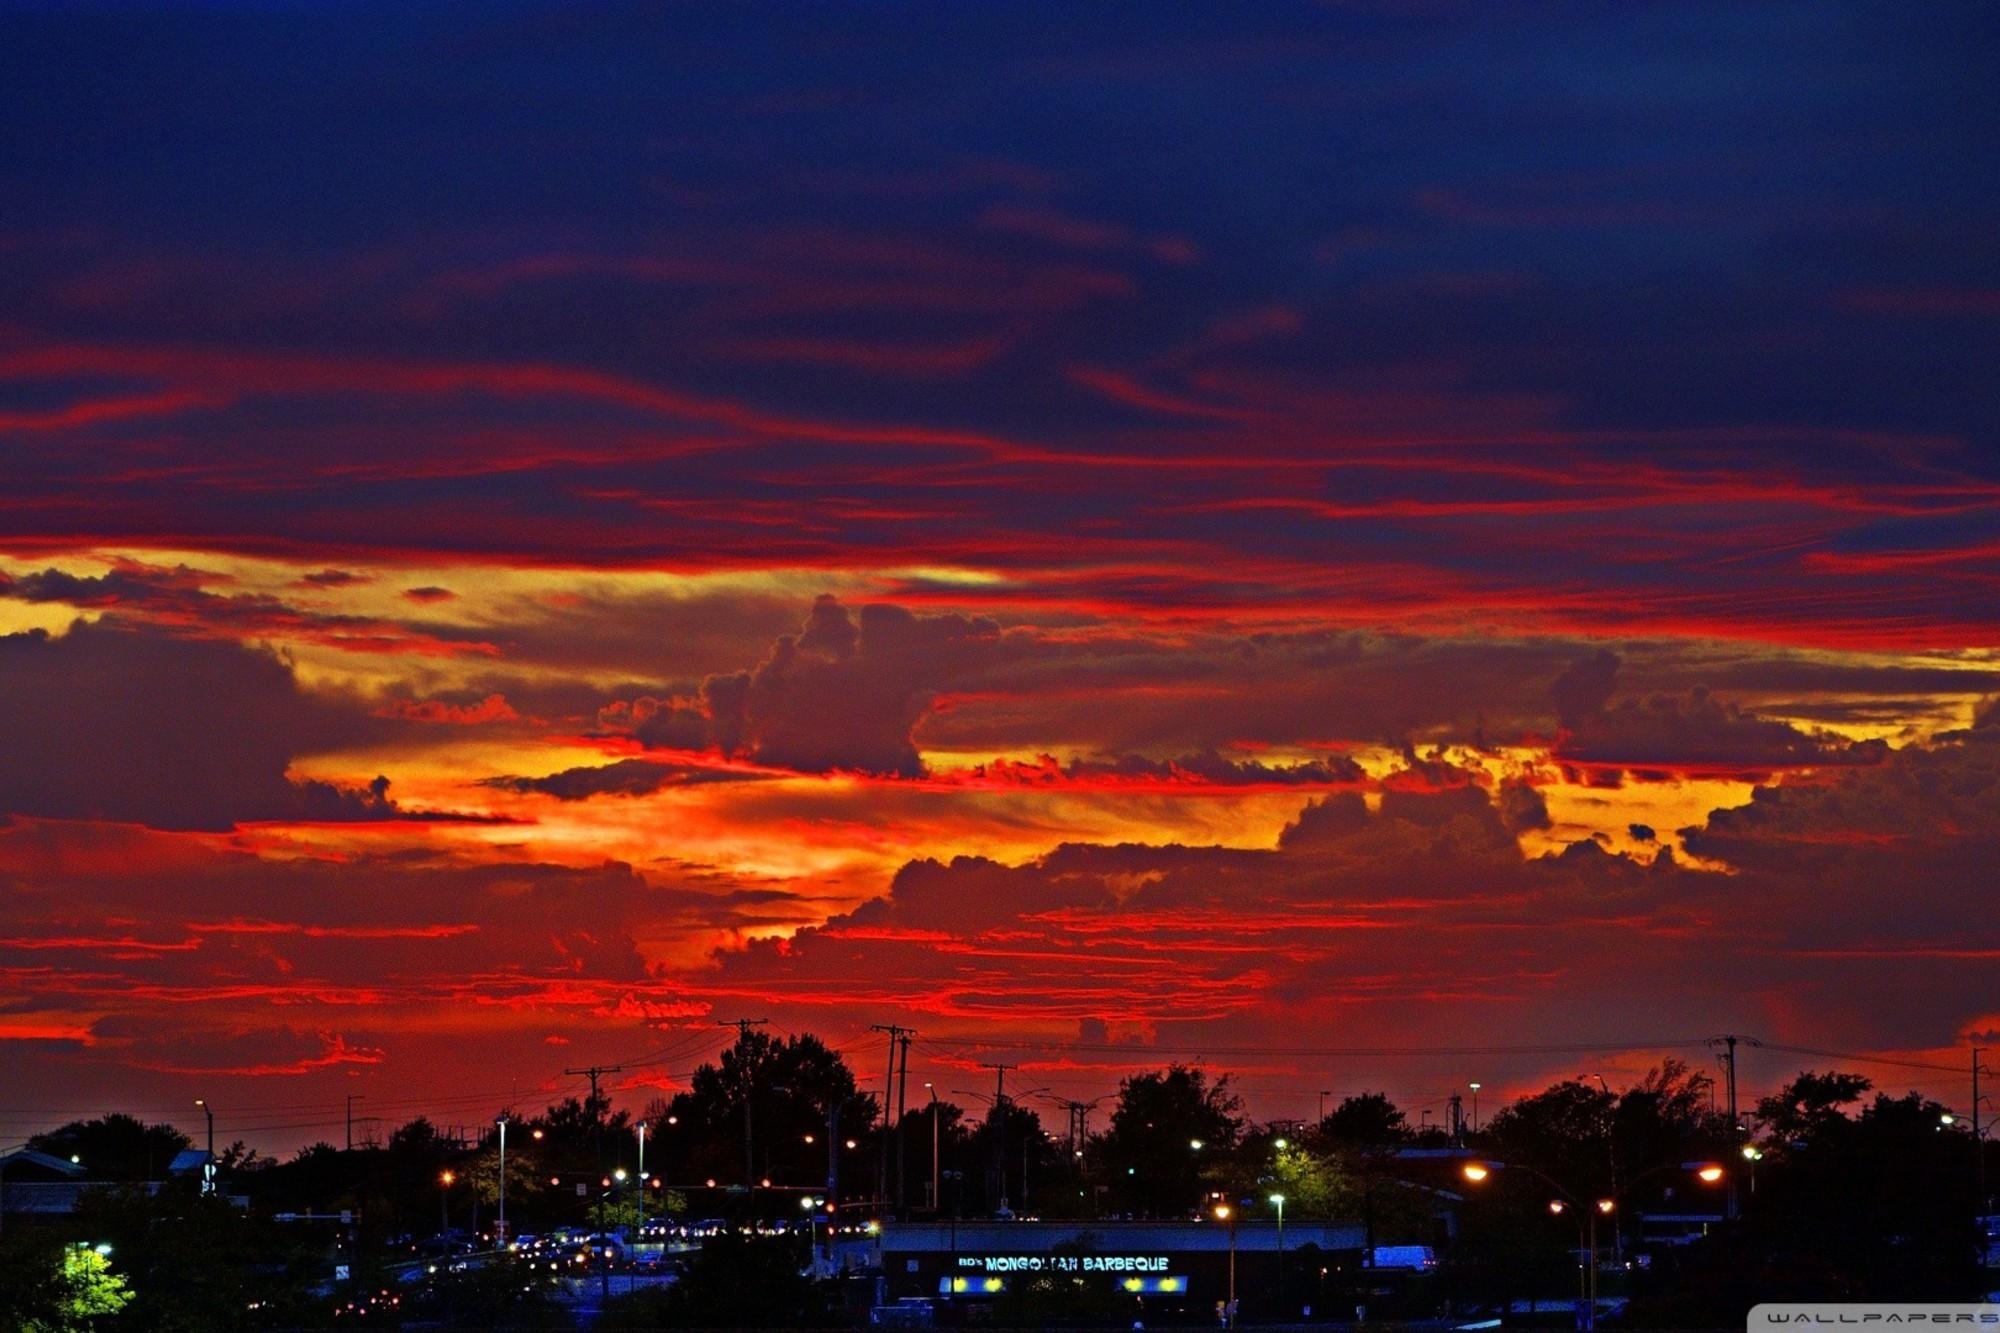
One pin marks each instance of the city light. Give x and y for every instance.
(1476, 1172)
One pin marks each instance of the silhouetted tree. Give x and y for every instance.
(1153, 1168)
(115, 1146)
(1367, 1120)
(792, 1083)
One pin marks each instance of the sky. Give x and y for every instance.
(1368, 545)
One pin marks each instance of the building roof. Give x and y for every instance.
(186, 1162)
(24, 1164)
(1114, 1236)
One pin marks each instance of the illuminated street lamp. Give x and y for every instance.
(444, 1202)
(1224, 1213)
(1279, 1201)
(500, 1227)
(642, 1172)
(1477, 1173)
(208, 1167)
(810, 1205)
(937, 1201)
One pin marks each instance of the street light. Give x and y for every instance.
(642, 1174)
(444, 1203)
(1224, 1213)
(811, 1207)
(1279, 1200)
(1477, 1172)
(208, 1167)
(1475, 1108)
(937, 1203)
(501, 1226)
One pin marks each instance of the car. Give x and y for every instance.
(603, 1245)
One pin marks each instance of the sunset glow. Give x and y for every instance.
(1234, 543)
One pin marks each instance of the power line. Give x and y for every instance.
(1854, 1058)
(1142, 1053)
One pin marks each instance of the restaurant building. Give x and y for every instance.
(1169, 1267)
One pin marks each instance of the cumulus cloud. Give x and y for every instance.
(1694, 732)
(1582, 690)
(842, 695)
(1425, 911)
(116, 722)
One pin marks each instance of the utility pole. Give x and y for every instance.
(1978, 1138)
(1728, 1045)
(902, 1106)
(1078, 1132)
(1457, 1117)
(352, 1098)
(1000, 1126)
(743, 1026)
(896, 1034)
(594, 1073)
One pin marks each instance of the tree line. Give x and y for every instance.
(1838, 1194)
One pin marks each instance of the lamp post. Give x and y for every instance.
(500, 1227)
(1224, 1213)
(444, 1203)
(642, 1176)
(1479, 1172)
(937, 1203)
(1475, 1108)
(811, 1206)
(208, 1167)
(1279, 1200)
